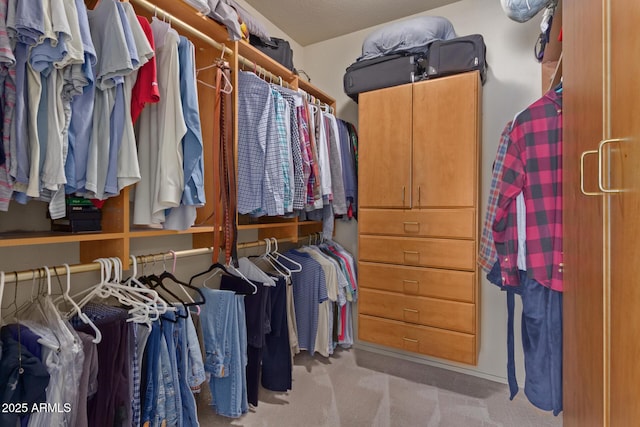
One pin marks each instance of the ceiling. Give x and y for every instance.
(312, 21)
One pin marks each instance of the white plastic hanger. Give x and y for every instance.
(82, 316)
(277, 254)
(284, 271)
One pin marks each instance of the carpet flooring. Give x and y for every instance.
(358, 388)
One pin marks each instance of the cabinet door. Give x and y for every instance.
(583, 97)
(384, 148)
(620, 167)
(445, 141)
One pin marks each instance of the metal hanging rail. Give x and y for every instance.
(220, 46)
(21, 276)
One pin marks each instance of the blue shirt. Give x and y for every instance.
(256, 132)
(192, 141)
(81, 111)
(349, 173)
(309, 290)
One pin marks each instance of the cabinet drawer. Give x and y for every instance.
(449, 223)
(427, 252)
(418, 281)
(453, 315)
(449, 345)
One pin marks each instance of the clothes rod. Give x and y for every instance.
(22, 276)
(246, 62)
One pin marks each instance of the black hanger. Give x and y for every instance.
(170, 276)
(210, 269)
(151, 281)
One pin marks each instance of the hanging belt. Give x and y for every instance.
(217, 177)
(228, 174)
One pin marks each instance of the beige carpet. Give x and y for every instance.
(357, 388)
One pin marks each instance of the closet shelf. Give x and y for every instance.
(269, 225)
(50, 237)
(152, 232)
(312, 90)
(263, 61)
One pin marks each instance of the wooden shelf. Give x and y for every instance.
(312, 90)
(51, 237)
(152, 232)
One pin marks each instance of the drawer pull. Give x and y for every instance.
(410, 340)
(411, 286)
(411, 227)
(414, 254)
(410, 310)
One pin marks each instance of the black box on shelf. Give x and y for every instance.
(76, 225)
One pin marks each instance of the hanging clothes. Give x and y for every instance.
(184, 216)
(526, 197)
(225, 342)
(81, 121)
(160, 129)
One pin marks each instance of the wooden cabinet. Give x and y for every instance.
(418, 219)
(422, 133)
(601, 204)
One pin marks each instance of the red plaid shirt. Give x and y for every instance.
(533, 165)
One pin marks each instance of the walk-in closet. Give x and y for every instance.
(288, 213)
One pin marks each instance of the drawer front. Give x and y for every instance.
(448, 223)
(427, 252)
(449, 345)
(418, 281)
(453, 315)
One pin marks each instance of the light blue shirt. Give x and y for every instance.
(81, 124)
(192, 141)
(29, 22)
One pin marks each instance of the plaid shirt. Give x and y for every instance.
(533, 165)
(488, 254)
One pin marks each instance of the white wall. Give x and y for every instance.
(513, 83)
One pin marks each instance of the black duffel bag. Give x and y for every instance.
(277, 49)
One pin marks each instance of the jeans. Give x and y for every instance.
(541, 340)
(186, 355)
(225, 342)
(151, 378)
(169, 374)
